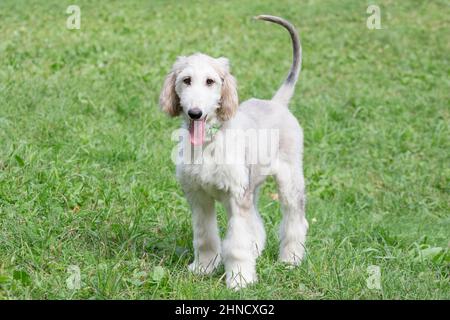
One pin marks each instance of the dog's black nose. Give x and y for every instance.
(195, 113)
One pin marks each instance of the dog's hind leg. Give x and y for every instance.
(294, 226)
(206, 234)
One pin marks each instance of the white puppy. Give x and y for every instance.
(202, 90)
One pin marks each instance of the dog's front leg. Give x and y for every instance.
(206, 234)
(240, 246)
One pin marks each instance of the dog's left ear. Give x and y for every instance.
(229, 100)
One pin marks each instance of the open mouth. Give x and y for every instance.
(197, 131)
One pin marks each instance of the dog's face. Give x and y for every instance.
(199, 87)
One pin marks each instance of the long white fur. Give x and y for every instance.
(236, 184)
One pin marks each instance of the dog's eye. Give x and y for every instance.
(187, 81)
(209, 82)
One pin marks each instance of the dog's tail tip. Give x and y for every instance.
(263, 17)
(286, 91)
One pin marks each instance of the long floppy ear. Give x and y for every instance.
(168, 99)
(229, 100)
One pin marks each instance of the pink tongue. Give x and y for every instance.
(197, 132)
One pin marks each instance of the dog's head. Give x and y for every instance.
(199, 87)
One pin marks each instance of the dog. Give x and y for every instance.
(203, 92)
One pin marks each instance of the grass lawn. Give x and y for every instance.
(86, 179)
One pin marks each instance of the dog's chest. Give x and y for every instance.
(212, 177)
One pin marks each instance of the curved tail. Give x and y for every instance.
(285, 92)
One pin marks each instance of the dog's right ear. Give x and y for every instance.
(168, 99)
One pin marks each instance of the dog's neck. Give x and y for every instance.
(212, 126)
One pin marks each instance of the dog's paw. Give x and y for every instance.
(205, 267)
(241, 279)
(240, 275)
(292, 256)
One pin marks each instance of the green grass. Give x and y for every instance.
(85, 175)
